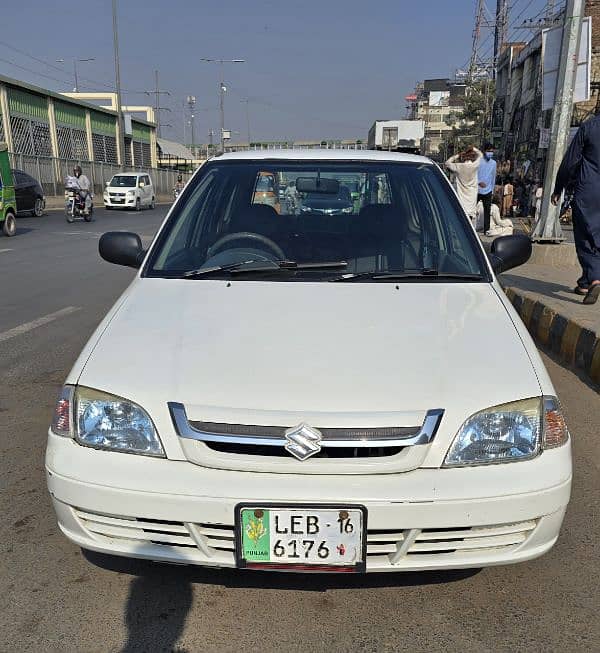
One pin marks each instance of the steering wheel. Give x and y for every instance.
(247, 235)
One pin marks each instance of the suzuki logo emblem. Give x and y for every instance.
(303, 441)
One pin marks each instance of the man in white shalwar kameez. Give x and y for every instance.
(465, 165)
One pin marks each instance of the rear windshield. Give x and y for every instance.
(124, 181)
(374, 217)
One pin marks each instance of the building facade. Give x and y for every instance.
(38, 123)
(437, 102)
(520, 128)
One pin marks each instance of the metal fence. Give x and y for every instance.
(51, 172)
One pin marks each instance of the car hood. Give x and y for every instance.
(361, 354)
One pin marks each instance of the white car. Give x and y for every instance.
(129, 190)
(308, 392)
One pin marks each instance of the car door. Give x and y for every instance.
(19, 191)
(147, 190)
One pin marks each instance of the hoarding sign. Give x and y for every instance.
(551, 46)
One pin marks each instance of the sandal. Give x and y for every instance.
(578, 290)
(591, 297)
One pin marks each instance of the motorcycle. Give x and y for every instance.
(75, 206)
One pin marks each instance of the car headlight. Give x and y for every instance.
(103, 421)
(348, 209)
(130, 193)
(509, 433)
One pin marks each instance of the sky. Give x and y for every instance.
(313, 69)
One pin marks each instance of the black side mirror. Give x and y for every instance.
(122, 248)
(508, 252)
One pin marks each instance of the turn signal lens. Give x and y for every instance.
(62, 420)
(555, 429)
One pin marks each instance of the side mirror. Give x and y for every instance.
(122, 248)
(106, 183)
(508, 252)
(142, 184)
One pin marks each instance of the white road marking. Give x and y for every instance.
(34, 324)
(5, 250)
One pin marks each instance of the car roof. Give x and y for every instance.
(322, 155)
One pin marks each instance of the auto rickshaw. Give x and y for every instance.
(8, 205)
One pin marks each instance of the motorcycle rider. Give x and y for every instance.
(84, 188)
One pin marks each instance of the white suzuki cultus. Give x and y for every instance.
(288, 388)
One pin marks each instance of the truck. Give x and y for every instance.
(396, 135)
(8, 206)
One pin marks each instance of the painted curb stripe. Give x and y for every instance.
(576, 345)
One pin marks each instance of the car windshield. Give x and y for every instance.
(374, 217)
(123, 181)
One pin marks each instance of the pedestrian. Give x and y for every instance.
(465, 165)
(499, 226)
(507, 197)
(581, 167)
(519, 197)
(539, 192)
(486, 175)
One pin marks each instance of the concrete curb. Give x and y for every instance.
(574, 344)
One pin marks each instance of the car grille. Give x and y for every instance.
(117, 194)
(338, 452)
(384, 547)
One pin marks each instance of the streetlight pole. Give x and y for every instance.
(222, 91)
(118, 85)
(76, 89)
(191, 100)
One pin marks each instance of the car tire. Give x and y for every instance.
(38, 207)
(9, 226)
(138, 204)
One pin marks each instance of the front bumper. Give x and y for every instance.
(175, 511)
(129, 201)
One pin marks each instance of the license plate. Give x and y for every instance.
(303, 538)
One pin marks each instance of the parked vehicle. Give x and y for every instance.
(130, 190)
(29, 194)
(75, 207)
(8, 205)
(324, 204)
(346, 393)
(396, 135)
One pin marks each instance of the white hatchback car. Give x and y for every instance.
(129, 190)
(293, 391)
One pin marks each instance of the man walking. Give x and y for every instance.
(487, 180)
(465, 165)
(581, 167)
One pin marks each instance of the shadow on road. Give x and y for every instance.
(156, 610)
(234, 578)
(161, 595)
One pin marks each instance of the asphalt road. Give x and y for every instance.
(54, 290)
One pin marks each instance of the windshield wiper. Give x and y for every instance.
(420, 275)
(245, 267)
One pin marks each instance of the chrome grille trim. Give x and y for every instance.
(423, 435)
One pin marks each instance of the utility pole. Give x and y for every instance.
(500, 30)
(547, 228)
(157, 108)
(191, 100)
(222, 91)
(121, 134)
(75, 61)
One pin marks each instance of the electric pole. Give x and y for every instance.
(500, 30)
(157, 108)
(548, 225)
(191, 100)
(222, 91)
(121, 134)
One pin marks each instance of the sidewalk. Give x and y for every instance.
(542, 293)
